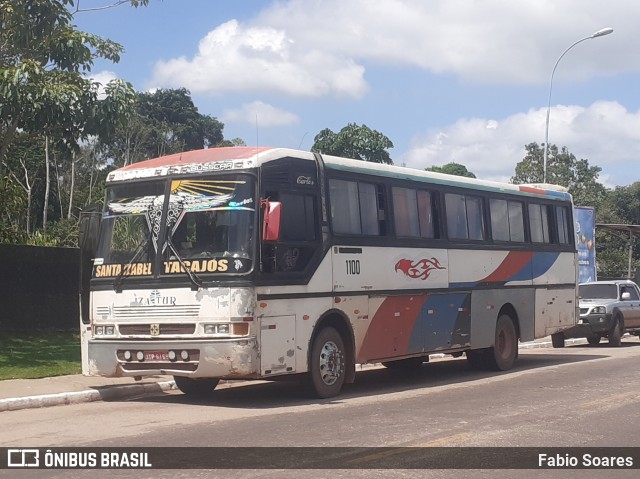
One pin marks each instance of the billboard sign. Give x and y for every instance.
(586, 237)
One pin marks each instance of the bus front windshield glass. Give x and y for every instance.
(210, 226)
(127, 241)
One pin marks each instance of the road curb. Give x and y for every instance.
(106, 393)
(111, 393)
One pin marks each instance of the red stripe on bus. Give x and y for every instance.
(512, 264)
(391, 328)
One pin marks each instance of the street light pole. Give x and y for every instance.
(599, 33)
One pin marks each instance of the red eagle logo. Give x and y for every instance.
(420, 269)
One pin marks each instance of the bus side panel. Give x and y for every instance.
(482, 268)
(555, 310)
(555, 305)
(446, 321)
(415, 324)
(485, 308)
(277, 345)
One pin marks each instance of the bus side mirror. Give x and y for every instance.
(89, 230)
(271, 220)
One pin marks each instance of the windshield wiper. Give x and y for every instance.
(117, 283)
(195, 279)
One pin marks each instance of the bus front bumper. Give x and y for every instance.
(219, 358)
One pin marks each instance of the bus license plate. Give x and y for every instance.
(156, 356)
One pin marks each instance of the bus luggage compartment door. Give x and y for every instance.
(555, 310)
(277, 345)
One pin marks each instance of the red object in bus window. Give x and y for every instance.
(271, 220)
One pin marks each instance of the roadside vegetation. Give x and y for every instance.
(40, 355)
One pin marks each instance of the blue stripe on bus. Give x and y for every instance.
(539, 265)
(440, 321)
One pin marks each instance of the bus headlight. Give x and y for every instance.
(210, 329)
(216, 329)
(105, 330)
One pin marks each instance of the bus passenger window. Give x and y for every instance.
(539, 223)
(465, 217)
(562, 220)
(507, 221)
(413, 213)
(356, 208)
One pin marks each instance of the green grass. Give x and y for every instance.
(41, 355)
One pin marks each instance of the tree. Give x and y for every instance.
(42, 61)
(621, 206)
(452, 169)
(42, 88)
(563, 169)
(354, 141)
(163, 122)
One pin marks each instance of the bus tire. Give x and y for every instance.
(196, 387)
(557, 340)
(409, 363)
(477, 358)
(327, 364)
(615, 335)
(504, 352)
(594, 339)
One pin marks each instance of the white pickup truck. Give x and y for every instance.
(607, 309)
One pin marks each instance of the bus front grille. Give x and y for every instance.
(148, 312)
(164, 329)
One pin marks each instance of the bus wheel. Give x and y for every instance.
(327, 368)
(557, 340)
(477, 358)
(196, 387)
(502, 355)
(594, 339)
(615, 335)
(409, 363)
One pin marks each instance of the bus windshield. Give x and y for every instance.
(209, 227)
(213, 226)
(126, 230)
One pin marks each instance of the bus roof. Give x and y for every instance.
(242, 157)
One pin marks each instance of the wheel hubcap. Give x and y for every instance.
(330, 363)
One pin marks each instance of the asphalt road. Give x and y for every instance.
(579, 396)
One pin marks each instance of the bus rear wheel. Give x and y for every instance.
(327, 364)
(196, 387)
(504, 352)
(478, 358)
(615, 335)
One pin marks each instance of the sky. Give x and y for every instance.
(465, 81)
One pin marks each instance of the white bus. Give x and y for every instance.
(247, 263)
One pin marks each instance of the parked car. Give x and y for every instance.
(608, 309)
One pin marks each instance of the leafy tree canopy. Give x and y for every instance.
(42, 60)
(452, 169)
(354, 141)
(578, 176)
(163, 122)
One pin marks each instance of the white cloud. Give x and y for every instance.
(604, 133)
(261, 113)
(320, 47)
(235, 57)
(492, 41)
